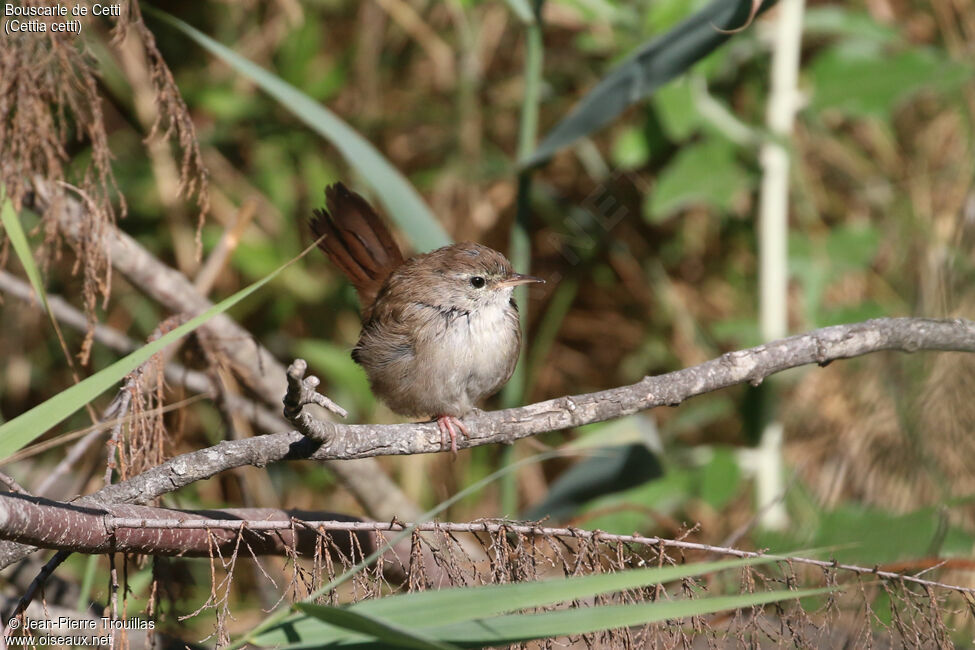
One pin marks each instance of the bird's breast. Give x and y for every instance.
(478, 344)
(445, 362)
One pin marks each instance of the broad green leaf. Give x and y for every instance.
(630, 149)
(501, 630)
(372, 626)
(647, 69)
(704, 172)
(19, 242)
(400, 198)
(623, 512)
(26, 427)
(446, 606)
(872, 83)
(677, 109)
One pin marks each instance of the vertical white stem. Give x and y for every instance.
(773, 239)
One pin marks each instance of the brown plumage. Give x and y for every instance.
(440, 330)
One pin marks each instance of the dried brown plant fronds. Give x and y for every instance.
(856, 614)
(49, 100)
(50, 103)
(142, 444)
(867, 605)
(172, 117)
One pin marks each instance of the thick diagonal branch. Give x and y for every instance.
(93, 529)
(88, 529)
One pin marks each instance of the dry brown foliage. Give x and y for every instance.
(51, 108)
(862, 612)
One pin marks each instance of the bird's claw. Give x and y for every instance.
(446, 425)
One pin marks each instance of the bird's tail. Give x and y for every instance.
(356, 240)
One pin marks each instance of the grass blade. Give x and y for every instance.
(469, 603)
(26, 427)
(280, 626)
(584, 620)
(19, 242)
(522, 10)
(374, 627)
(461, 605)
(647, 69)
(404, 204)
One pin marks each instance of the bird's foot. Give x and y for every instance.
(446, 423)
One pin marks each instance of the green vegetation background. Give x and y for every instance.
(645, 231)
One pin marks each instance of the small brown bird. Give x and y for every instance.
(440, 331)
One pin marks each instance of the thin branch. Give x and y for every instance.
(11, 484)
(303, 391)
(259, 369)
(744, 366)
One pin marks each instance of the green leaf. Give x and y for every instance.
(647, 69)
(677, 109)
(501, 630)
(624, 512)
(401, 200)
(872, 82)
(583, 620)
(26, 427)
(459, 604)
(720, 479)
(704, 172)
(19, 242)
(630, 149)
(372, 626)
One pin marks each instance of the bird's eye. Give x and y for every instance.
(477, 282)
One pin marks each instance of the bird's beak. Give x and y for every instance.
(515, 279)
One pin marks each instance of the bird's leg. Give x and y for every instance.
(446, 424)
